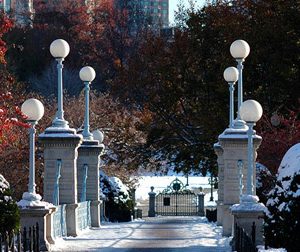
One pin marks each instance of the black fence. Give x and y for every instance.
(26, 240)
(242, 241)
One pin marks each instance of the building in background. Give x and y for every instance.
(146, 12)
(154, 13)
(21, 10)
(158, 10)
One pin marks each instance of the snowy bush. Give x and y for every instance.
(9, 211)
(265, 182)
(118, 203)
(282, 220)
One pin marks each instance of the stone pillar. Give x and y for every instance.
(71, 219)
(89, 154)
(234, 145)
(49, 226)
(201, 204)
(32, 215)
(62, 144)
(151, 212)
(246, 213)
(220, 203)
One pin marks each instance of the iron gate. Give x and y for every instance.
(176, 200)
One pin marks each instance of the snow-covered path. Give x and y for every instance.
(161, 234)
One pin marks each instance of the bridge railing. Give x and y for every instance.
(244, 242)
(26, 240)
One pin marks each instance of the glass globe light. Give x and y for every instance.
(59, 48)
(239, 49)
(251, 111)
(33, 109)
(87, 74)
(98, 135)
(231, 74)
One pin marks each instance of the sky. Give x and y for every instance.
(173, 6)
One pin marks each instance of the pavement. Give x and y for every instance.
(159, 234)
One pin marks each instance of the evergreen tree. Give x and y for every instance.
(9, 211)
(282, 220)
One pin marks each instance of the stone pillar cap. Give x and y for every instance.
(231, 133)
(249, 203)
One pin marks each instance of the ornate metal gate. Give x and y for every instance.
(176, 200)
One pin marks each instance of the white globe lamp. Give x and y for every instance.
(231, 74)
(98, 135)
(251, 111)
(59, 48)
(239, 49)
(33, 109)
(87, 74)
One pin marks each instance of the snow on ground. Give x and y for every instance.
(165, 234)
(161, 182)
(261, 249)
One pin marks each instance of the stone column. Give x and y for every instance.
(234, 145)
(71, 219)
(89, 154)
(32, 215)
(151, 212)
(246, 213)
(49, 225)
(220, 203)
(60, 147)
(201, 204)
(62, 144)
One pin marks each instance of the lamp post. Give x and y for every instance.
(34, 110)
(212, 183)
(187, 179)
(231, 75)
(250, 111)
(87, 75)
(239, 50)
(59, 49)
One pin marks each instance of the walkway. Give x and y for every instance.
(162, 234)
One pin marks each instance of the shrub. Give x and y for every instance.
(118, 201)
(9, 211)
(282, 220)
(265, 182)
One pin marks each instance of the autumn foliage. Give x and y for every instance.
(165, 98)
(279, 133)
(5, 25)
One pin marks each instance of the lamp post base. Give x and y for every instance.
(53, 130)
(60, 123)
(239, 124)
(30, 200)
